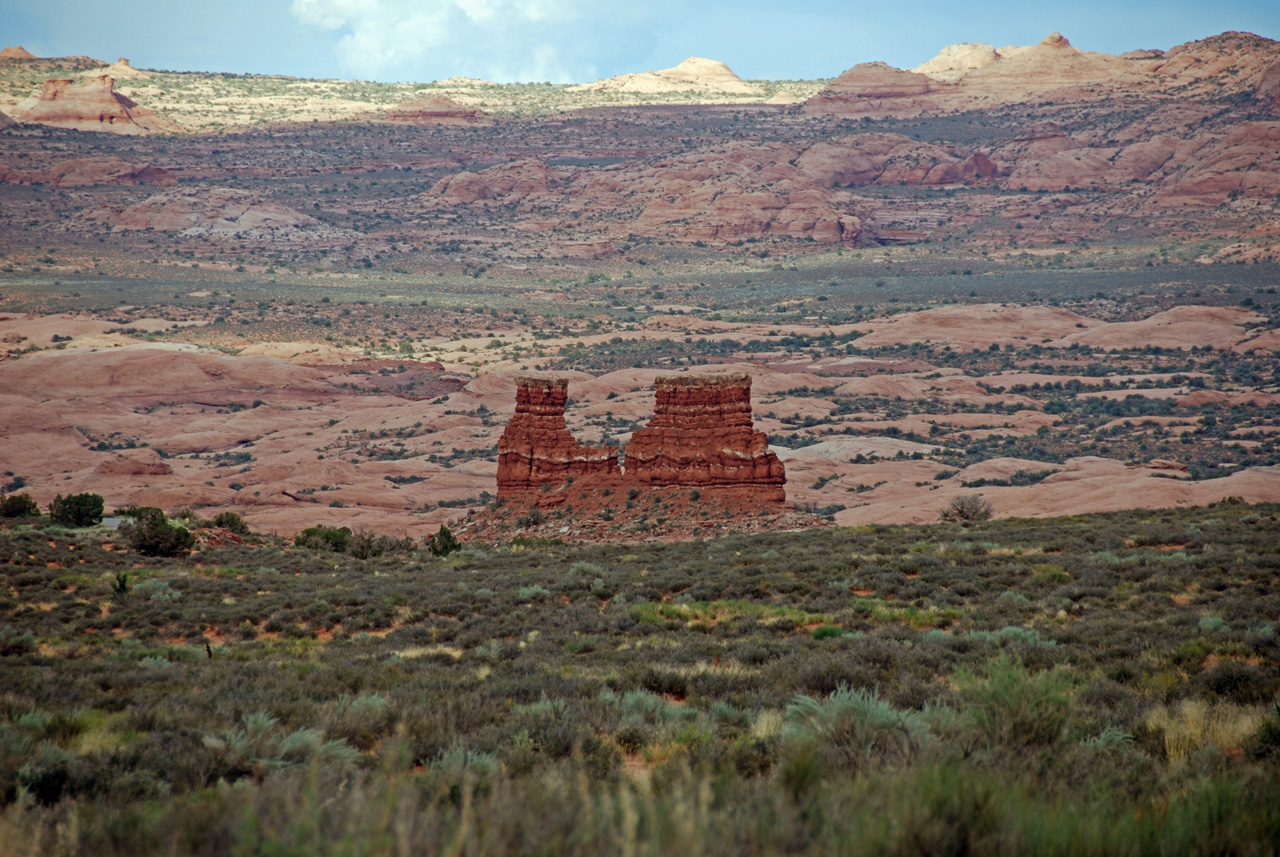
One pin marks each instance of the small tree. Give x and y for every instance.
(443, 542)
(18, 506)
(152, 535)
(77, 510)
(966, 508)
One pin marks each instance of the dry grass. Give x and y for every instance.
(1195, 724)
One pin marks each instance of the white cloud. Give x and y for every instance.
(558, 40)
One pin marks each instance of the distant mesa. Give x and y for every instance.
(696, 74)
(18, 52)
(701, 436)
(92, 105)
(436, 110)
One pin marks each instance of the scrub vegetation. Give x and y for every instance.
(1095, 684)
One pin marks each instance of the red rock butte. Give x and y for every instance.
(536, 448)
(701, 436)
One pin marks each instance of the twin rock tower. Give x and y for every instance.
(701, 436)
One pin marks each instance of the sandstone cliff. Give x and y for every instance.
(701, 435)
(92, 105)
(536, 449)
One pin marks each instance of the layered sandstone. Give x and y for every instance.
(437, 110)
(701, 435)
(92, 105)
(537, 450)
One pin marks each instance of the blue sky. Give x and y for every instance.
(581, 40)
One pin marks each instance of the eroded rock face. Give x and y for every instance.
(537, 450)
(701, 435)
(92, 105)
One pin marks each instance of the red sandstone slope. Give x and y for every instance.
(1055, 71)
(92, 105)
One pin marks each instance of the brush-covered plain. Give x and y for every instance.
(1096, 684)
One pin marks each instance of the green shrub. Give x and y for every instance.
(77, 510)
(324, 539)
(1013, 707)
(15, 641)
(231, 521)
(150, 534)
(851, 728)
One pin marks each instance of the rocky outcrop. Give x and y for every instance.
(216, 213)
(17, 52)
(92, 105)
(701, 435)
(876, 89)
(536, 449)
(954, 61)
(696, 74)
(505, 183)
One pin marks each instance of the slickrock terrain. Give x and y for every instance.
(1033, 273)
(215, 213)
(91, 105)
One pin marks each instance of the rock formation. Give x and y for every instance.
(696, 74)
(876, 89)
(537, 450)
(701, 435)
(437, 110)
(215, 213)
(17, 52)
(92, 105)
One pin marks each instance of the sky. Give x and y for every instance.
(566, 41)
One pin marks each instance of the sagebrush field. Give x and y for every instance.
(1095, 684)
